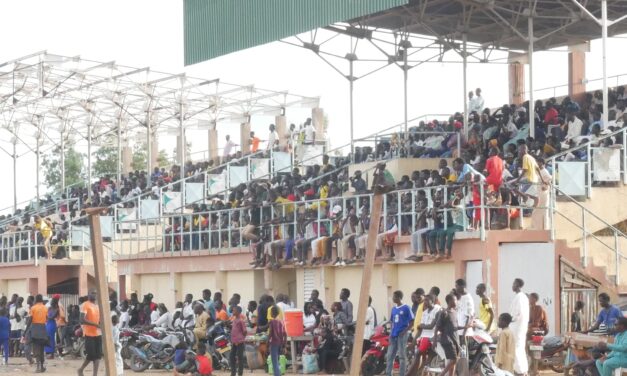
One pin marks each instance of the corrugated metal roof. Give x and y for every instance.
(218, 27)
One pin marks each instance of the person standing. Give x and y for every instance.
(51, 326)
(347, 305)
(209, 306)
(37, 328)
(575, 318)
(228, 148)
(61, 324)
(486, 313)
(238, 336)
(448, 327)
(5, 333)
(45, 229)
(401, 318)
(90, 321)
(277, 339)
(254, 142)
(371, 322)
(539, 215)
(273, 138)
(504, 358)
(119, 363)
(519, 310)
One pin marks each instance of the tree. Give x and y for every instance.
(74, 168)
(106, 161)
(188, 152)
(140, 152)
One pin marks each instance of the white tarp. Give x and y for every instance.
(572, 178)
(194, 193)
(106, 226)
(606, 164)
(171, 202)
(79, 236)
(312, 155)
(282, 161)
(126, 219)
(149, 209)
(216, 184)
(237, 175)
(259, 168)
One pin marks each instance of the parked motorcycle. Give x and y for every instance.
(219, 345)
(480, 345)
(553, 355)
(373, 361)
(77, 346)
(128, 338)
(154, 353)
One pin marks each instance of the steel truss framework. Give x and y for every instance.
(50, 101)
(459, 31)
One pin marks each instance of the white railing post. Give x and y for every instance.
(589, 161)
(584, 238)
(482, 210)
(617, 256)
(552, 202)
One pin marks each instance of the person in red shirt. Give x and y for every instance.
(254, 142)
(238, 336)
(195, 364)
(494, 169)
(551, 115)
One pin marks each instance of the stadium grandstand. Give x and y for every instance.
(481, 194)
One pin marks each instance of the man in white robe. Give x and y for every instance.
(520, 315)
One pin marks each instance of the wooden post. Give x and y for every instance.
(103, 290)
(366, 276)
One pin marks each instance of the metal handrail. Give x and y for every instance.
(587, 144)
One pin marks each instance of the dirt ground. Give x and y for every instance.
(68, 368)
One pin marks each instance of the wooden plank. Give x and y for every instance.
(366, 278)
(103, 290)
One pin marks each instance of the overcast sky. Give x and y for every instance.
(150, 33)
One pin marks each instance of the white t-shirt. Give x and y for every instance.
(164, 321)
(154, 316)
(574, 129)
(310, 132)
(369, 330)
(465, 310)
(272, 138)
(15, 325)
(427, 319)
(309, 320)
(228, 147)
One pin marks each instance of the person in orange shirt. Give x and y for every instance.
(90, 321)
(254, 142)
(37, 327)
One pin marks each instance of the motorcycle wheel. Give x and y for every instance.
(557, 368)
(369, 365)
(83, 352)
(138, 364)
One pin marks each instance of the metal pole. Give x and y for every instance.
(465, 79)
(351, 85)
(63, 160)
(119, 164)
(149, 141)
(617, 257)
(584, 261)
(89, 182)
(37, 155)
(182, 153)
(604, 43)
(15, 176)
(532, 109)
(405, 78)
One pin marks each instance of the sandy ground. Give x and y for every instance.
(68, 368)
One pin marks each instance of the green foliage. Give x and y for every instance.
(105, 161)
(140, 153)
(74, 168)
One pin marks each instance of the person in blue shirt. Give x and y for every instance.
(401, 317)
(617, 358)
(609, 314)
(5, 331)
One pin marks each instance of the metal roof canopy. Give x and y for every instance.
(49, 101)
(500, 23)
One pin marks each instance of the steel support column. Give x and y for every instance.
(89, 182)
(149, 142)
(182, 145)
(405, 95)
(37, 155)
(465, 79)
(119, 164)
(351, 82)
(532, 107)
(15, 175)
(604, 43)
(62, 156)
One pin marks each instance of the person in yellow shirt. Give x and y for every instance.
(417, 305)
(44, 226)
(504, 357)
(529, 166)
(486, 313)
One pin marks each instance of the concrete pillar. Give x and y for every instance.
(4, 288)
(516, 83)
(127, 160)
(154, 150)
(326, 285)
(31, 285)
(281, 128)
(42, 281)
(213, 144)
(83, 288)
(177, 291)
(268, 281)
(122, 288)
(244, 138)
(317, 119)
(576, 75)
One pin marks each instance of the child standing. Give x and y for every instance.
(5, 333)
(238, 337)
(119, 364)
(504, 357)
(277, 339)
